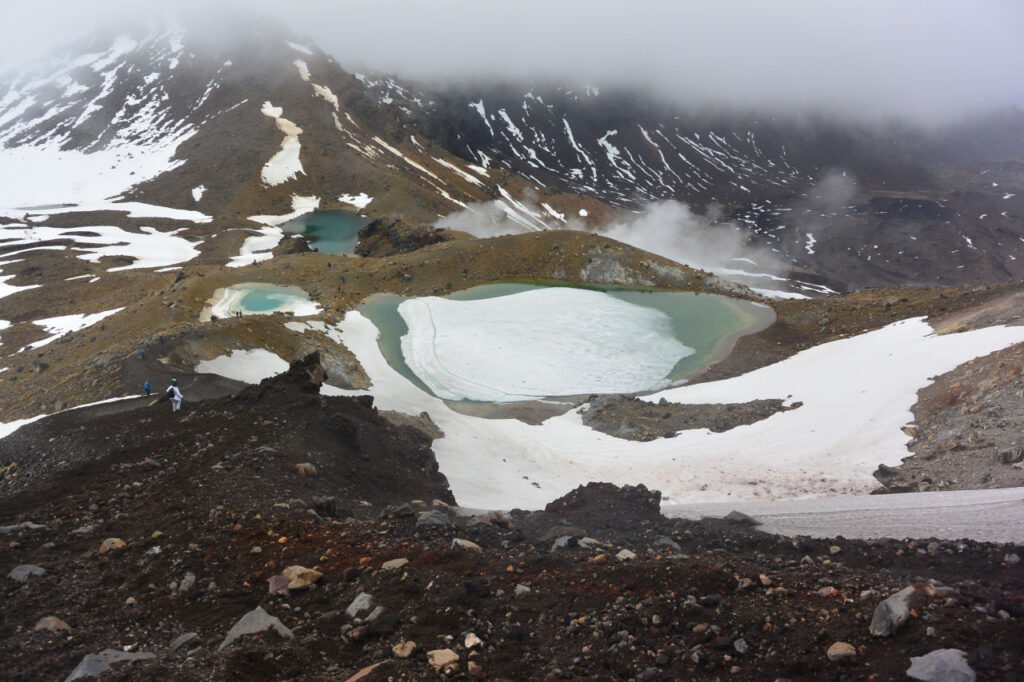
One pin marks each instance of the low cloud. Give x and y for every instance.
(671, 229)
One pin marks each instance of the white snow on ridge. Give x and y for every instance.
(298, 47)
(461, 173)
(198, 192)
(856, 396)
(8, 289)
(360, 201)
(134, 209)
(303, 70)
(326, 93)
(66, 324)
(150, 248)
(285, 164)
(514, 347)
(251, 366)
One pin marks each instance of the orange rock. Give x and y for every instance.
(111, 544)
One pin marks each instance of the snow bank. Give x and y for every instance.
(134, 209)
(285, 164)
(66, 324)
(7, 428)
(856, 395)
(360, 201)
(251, 366)
(258, 247)
(547, 342)
(150, 248)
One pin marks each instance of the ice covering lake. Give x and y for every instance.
(512, 342)
(253, 298)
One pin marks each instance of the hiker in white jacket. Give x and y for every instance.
(175, 395)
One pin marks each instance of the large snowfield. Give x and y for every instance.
(856, 395)
(533, 344)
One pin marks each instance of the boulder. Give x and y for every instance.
(253, 622)
(93, 665)
(941, 665)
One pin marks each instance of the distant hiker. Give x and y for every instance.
(147, 387)
(175, 395)
(142, 353)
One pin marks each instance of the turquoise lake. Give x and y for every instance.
(708, 323)
(328, 231)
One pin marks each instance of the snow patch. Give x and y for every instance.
(285, 164)
(360, 201)
(251, 366)
(66, 324)
(197, 192)
(298, 47)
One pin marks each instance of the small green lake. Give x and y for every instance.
(328, 231)
(707, 323)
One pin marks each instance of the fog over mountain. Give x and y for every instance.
(928, 60)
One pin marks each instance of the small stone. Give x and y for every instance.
(394, 564)
(187, 583)
(765, 580)
(522, 590)
(601, 558)
(256, 550)
(404, 649)
(465, 544)
(278, 584)
(300, 577)
(306, 469)
(475, 669)
(254, 622)
(625, 555)
(741, 646)
(892, 613)
(941, 665)
(442, 658)
(111, 544)
(841, 652)
(835, 549)
(25, 571)
(472, 641)
(130, 601)
(183, 640)
(362, 603)
(51, 624)
(1012, 559)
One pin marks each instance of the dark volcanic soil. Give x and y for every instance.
(210, 504)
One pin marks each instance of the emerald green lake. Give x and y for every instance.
(707, 323)
(328, 231)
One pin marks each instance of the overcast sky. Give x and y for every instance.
(923, 58)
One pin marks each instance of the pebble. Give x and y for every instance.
(472, 641)
(841, 652)
(278, 584)
(522, 590)
(394, 564)
(625, 555)
(306, 469)
(892, 613)
(187, 583)
(465, 544)
(363, 602)
(442, 658)
(300, 577)
(741, 646)
(111, 544)
(404, 649)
